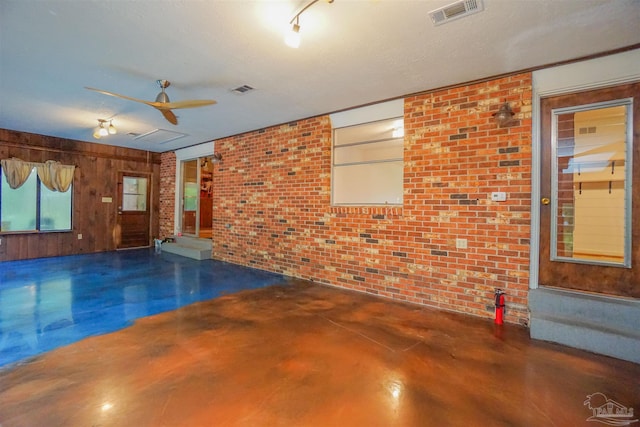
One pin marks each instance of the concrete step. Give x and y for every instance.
(597, 323)
(189, 247)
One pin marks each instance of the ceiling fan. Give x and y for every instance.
(162, 102)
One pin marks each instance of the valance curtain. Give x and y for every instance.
(16, 171)
(54, 175)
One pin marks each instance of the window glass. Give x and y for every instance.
(134, 197)
(19, 207)
(390, 149)
(369, 183)
(368, 163)
(592, 185)
(55, 209)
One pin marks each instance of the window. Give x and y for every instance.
(33, 207)
(134, 195)
(368, 163)
(591, 182)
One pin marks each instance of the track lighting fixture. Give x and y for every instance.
(292, 39)
(504, 115)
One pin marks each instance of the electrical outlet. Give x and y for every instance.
(79, 236)
(461, 243)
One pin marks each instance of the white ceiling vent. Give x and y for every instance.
(242, 89)
(456, 10)
(160, 136)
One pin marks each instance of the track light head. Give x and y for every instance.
(292, 39)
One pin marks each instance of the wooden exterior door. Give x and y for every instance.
(590, 188)
(133, 210)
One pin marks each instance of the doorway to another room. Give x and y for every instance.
(197, 197)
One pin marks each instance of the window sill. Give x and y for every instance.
(376, 212)
(16, 232)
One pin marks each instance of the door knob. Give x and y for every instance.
(545, 201)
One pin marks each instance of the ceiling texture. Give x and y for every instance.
(353, 53)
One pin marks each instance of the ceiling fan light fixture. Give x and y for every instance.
(112, 129)
(162, 97)
(100, 131)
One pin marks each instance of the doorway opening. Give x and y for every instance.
(197, 197)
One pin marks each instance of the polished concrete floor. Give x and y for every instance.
(50, 302)
(300, 354)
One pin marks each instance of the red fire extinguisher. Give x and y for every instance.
(500, 306)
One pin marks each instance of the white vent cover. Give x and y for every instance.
(456, 10)
(242, 89)
(160, 136)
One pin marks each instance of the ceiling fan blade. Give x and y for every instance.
(104, 92)
(188, 104)
(168, 114)
(164, 107)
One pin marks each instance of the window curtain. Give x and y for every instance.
(54, 175)
(16, 171)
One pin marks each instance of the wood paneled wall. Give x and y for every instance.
(96, 177)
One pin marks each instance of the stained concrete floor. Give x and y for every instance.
(300, 354)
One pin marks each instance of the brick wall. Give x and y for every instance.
(167, 193)
(272, 205)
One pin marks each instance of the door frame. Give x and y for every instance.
(206, 149)
(591, 74)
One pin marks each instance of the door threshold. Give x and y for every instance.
(135, 247)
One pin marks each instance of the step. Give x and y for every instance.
(189, 247)
(598, 323)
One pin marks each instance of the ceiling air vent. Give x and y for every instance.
(159, 136)
(456, 10)
(242, 89)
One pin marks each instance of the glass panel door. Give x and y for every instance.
(197, 197)
(190, 191)
(205, 206)
(590, 154)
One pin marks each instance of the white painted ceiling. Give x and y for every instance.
(353, 52)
